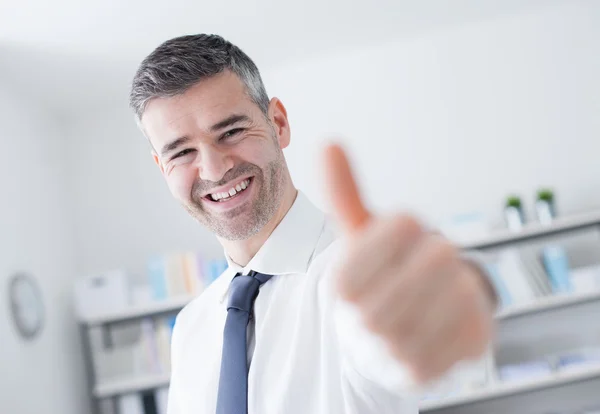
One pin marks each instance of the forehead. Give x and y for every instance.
(204, 104)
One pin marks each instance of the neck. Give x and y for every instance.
(242, 251)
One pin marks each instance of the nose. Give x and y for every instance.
(214, 163)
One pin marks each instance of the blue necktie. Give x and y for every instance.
(233, 382)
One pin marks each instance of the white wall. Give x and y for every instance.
(46, 375)
(441, 124)
(455, 120)
(124, 210)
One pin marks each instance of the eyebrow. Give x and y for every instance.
(231, 120)
(171, 146)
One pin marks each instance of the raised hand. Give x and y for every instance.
(412, 287)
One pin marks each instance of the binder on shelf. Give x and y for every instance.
(155, 346)
(532, 261)
(161, 396)
(149, 403)
(499, 284)
(194, 279)
(156, 276)
(164, 331)
(518, 283)
(149, 347)
(130, 404)
(556, 263)
(176, 285)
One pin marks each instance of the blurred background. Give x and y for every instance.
(480, 116)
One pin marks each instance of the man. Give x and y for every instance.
(300, 322)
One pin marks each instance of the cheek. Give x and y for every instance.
(257, 152)
(180, 181)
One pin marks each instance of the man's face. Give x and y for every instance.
(221, 157)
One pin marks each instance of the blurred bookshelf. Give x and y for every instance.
(534, 231)
(126, 325)
(537, 282)
(531, 288)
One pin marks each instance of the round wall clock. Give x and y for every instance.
(25, 300)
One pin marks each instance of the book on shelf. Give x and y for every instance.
(155, 345)
(524, 274)
(139, 348)
(182, 274)
(556, 263)
(148, 343)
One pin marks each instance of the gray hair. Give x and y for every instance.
(180, 63)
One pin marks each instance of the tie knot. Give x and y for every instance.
(244, 289)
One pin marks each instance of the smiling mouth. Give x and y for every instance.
(233, 192)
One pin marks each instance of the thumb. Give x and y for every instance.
(342, 190)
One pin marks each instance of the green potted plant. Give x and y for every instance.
(514, 213)
(545, 205)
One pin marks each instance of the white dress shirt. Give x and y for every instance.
(308, 353)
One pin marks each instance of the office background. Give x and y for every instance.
(445, 107)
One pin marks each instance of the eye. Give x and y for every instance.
(182, 153)
(232, 133)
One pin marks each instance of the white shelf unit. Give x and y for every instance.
(535, 231)
(499, 239)
(569, 376)
(126, 385)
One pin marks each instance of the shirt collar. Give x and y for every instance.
(290, 247)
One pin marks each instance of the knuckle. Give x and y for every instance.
(444, 251)
(407, 227)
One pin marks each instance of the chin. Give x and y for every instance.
(236, 233)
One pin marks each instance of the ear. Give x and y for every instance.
(278, 116)
(157, 162)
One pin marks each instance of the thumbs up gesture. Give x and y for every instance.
(412, 288)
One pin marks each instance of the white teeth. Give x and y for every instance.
(233, 191)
